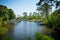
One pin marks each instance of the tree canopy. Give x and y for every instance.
(6, 14)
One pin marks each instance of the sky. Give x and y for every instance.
(20, 6)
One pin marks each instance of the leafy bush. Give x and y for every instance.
(39, 36)
(55, 17)
(3, 30)
(53, 20)
(0, 21)
(3, 33)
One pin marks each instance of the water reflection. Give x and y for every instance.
(25, 29)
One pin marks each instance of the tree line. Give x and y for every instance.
(6, 14)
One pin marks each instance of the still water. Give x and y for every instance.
(25, 29)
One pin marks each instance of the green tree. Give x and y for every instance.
(30, 15)
(44, 8)
(35, 15)
(54, 20)
(51, 2)
(6, 14)
(3, 12)
(11, 14)
(24, 15)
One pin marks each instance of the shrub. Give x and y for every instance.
(39, 36)
(53, 20)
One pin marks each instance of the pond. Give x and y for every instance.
(25, 29)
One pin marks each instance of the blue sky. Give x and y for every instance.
(20, 6)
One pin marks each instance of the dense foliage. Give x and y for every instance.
(5, 15)
(31, 17)
(11, 14)
(39, 36)
(54, 20)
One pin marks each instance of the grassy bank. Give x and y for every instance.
(4, 30)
